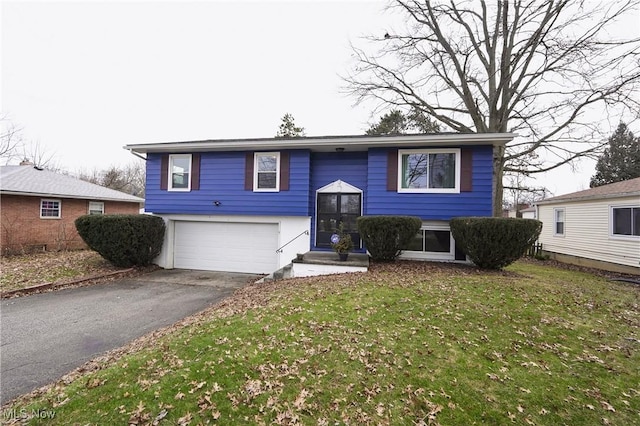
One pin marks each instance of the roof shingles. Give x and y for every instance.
(628, 187)
(28, 180)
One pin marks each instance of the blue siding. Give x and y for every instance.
(327, 167)
(431, 206)
(222, 179)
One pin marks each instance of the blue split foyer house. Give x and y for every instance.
(250, 205)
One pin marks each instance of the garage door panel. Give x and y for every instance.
(218, 246)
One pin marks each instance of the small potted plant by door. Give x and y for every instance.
(342, 243)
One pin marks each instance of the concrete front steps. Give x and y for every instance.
(316, 263)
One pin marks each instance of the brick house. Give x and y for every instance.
(38, 208)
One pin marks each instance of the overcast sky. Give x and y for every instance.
(86, 78)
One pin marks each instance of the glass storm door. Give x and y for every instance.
(334, 208)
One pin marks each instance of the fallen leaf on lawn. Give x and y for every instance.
(94, 383)
(607, 406)
(185, 420)
(161, 415)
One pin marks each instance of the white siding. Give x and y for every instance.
(587, 231)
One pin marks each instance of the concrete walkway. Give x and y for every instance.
(44, 336)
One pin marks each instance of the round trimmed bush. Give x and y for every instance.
(124, 240)
(494, 242)
(385, 236)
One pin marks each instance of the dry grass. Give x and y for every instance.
(42, 268)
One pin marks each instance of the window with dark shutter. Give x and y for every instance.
(392, 170)
(180, 172)
(466, 170)
(267, 171)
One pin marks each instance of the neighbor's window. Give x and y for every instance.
(180, 172)
(625, 221)
(50, 209)
(435, 170)
(96, 207)
(558, 220)
(266, 177)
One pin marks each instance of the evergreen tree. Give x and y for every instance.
(620, 160)
(395, 122)
(288, 128)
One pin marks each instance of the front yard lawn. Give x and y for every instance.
(41, 268)
(406, 343)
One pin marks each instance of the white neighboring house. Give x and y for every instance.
(598, 227)
(529, 213)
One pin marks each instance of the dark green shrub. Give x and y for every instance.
(385, 236)
(494, 242)
(124, 240)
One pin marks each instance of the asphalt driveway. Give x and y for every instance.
(44, 336)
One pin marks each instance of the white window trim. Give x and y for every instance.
(170, 174)
(255, 172)
(455, 190)
(555, 222)
(101, 203)
(59, 208)
(619, 236)
(433, 255)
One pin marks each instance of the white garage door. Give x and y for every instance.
(233, 247)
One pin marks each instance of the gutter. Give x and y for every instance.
(72, 196)
(588, 198)
(136, 154)
(326, 143)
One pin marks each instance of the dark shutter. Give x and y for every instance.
(392, 170)
(466, 170)
(284, 171)
(248, 172)
(164, 171)
(195, 172)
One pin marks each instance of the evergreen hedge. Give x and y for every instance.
(124, 240)
(384, 236)
(494, 242)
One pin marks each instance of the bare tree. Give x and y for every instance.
(549, 71)
(519, 192)
(10, 139)
(129, 178)
(40, 156)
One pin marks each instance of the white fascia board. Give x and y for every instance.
(72, 197)
(348, 143)
(587, 198)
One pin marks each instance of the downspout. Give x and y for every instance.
(137, 155)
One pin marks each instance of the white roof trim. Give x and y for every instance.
(71, 196)
(340, 187)
(326, 143)
(588, 198)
